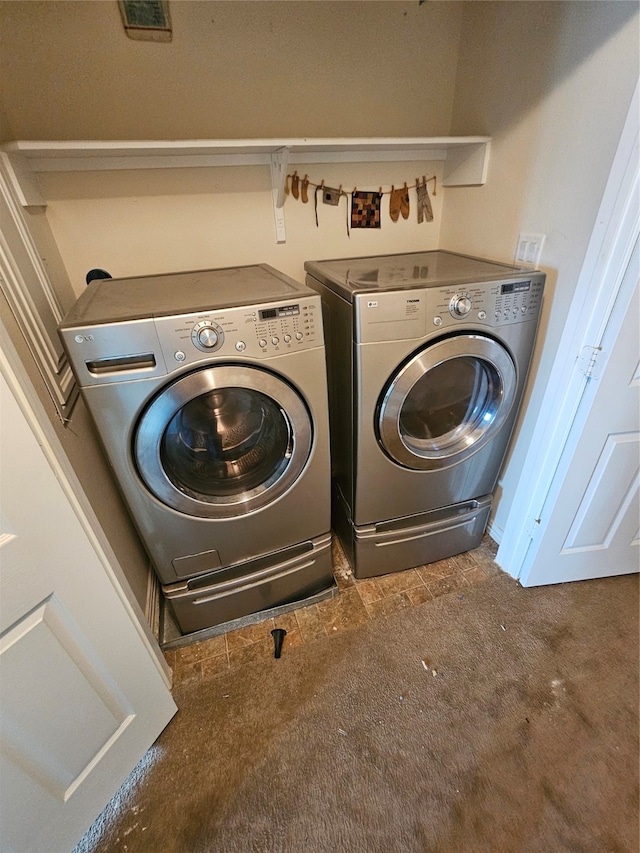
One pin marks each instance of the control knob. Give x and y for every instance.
(207, 336)
(460, 306)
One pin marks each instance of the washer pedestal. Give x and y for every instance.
(288, 575)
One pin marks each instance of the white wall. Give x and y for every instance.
(551, 83)
(233, 70)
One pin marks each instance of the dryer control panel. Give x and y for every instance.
(414, 312)
(489, 303)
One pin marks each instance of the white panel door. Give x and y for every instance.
(589, 524)
(82, 694)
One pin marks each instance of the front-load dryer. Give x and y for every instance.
(428, 355)
(208, 391)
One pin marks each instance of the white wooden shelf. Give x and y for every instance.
(465, 158)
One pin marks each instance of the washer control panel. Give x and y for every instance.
(283, 325)
(261, 331)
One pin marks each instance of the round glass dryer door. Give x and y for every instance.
(223, 441)
(446, 402)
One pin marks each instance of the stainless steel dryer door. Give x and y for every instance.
(446, 402)
(223, 441)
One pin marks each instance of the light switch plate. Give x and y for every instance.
(529, 250)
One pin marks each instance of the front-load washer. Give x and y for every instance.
(428, 355)
(208, 391)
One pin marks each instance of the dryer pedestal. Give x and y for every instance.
(403, 543)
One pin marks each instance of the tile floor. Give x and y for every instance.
(355, 602)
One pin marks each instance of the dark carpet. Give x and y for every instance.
(504, 719)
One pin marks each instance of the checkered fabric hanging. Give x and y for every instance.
(365, 209)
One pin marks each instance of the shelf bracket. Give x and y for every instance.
(23, 181)
(467, 165)
(279, 164)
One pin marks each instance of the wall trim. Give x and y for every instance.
(32, 299)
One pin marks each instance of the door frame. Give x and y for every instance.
(582, 352)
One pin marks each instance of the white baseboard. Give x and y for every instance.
(495, 532)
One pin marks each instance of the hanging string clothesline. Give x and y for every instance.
(300, 186)
(364, 210)
(365, 204)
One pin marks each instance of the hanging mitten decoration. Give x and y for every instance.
(295, 185)
(425, 211)
(394, 204)
(399, 203)
(404, 202)
(365, 209)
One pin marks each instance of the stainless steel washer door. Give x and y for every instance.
(446, 402)
(223, 441)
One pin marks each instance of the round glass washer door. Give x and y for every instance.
(223, 441)
(446, 402)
